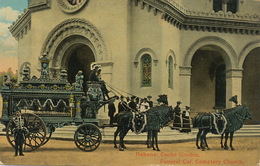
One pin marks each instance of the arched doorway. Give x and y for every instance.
(79, 57)
(208, 80)
(251, 84)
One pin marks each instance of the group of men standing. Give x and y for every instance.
(133, 104)
(181, 120)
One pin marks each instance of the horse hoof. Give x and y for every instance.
(158, 150)
(154, 149)
(124, 147)
(232, 149)
(198, 147)
(226, 148)
(115, 146)
(121, 149)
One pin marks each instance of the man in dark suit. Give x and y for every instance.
(122, 105)
(20, 133)
(111, 111)
(150, 101)
(132, 104)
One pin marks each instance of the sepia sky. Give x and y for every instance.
(9, 11)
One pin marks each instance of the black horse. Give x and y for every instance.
(226, 122)
(152, 120)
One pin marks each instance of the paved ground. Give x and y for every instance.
(60, 152)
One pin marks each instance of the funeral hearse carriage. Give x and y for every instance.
(48, 103)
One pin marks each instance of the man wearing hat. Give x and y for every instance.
(132, 104)
(177, 117)
(150, 101)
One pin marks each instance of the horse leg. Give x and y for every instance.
(226, 138)
(156, 140)
(231, 140)
(206, 143)
(126, 131)
(122, 136)
(148, 142)
(121, 142)
(115, 135)
(201, 140)
(153, 139)
(221, 140)
(197, 139)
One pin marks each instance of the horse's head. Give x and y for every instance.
(247, 113)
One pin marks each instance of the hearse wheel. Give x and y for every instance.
(36, 128)
(50, 129)
(87, 137)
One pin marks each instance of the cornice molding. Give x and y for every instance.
(186, 19)
(177, 15)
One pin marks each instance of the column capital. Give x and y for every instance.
(237, 73)
(185, 70)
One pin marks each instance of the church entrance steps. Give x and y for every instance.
(167, 135)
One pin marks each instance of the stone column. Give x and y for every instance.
(233, 86)
(184, 90)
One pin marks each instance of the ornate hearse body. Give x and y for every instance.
(48, 103)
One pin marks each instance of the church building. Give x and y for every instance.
(199, 52)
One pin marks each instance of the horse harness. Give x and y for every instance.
(139, 122)
(217, 121)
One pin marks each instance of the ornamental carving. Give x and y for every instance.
(238, 73)
(184, 18)
(213, 40)
(71, 6)
(74, 27)
(185, 70)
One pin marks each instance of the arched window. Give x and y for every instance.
(146, 70)
(170, 72)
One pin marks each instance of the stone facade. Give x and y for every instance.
(117, 33)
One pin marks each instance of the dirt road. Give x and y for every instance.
(58, 152)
